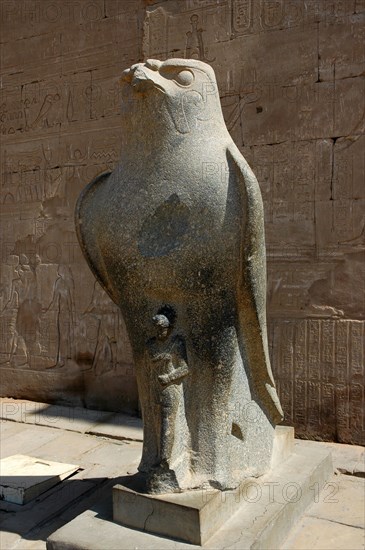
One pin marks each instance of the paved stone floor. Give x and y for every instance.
(107, 446)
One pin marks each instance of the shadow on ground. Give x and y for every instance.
(42, 516)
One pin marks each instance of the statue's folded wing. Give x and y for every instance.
(87, 227)
(251, 291)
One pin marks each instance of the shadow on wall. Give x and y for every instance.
(110, 392)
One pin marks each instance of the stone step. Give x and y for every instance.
(262, 512)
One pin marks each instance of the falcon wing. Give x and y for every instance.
(86, 220)
(251, 292)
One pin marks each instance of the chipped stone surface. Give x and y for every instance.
(23, 478)
(290, 75)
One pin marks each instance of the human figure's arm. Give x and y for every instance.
(179, 358)
(91, 307)
(13, 298)
(175, 376)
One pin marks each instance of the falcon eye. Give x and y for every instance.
(184, 78)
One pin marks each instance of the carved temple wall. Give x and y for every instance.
(291, 80)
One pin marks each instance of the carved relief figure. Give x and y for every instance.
(179, 224)
(194, 41)
(52, 176)
(12, 307)
(105, 354)
(24, 302)
(63, 305)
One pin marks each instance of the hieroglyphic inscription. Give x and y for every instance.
(59, 110)
(186, 29)
(250, 16)
(319, 365)
(242, 15)
(50, 106)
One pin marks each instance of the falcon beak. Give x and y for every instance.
(127, 75)
(142, 77)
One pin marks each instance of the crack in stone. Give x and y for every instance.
(147, 518)
(334, 521)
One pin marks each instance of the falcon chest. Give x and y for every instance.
(171, 226)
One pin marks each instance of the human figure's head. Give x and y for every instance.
(64, 271)
(23, 260)
(194, 21)
(163, 326)
(21, 272)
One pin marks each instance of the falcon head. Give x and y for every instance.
(185, 90)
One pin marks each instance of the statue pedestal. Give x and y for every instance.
(195, 516)
(259, 514)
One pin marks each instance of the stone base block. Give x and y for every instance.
(26, 477)
(283, 445)
(259, 514)
(192, 516)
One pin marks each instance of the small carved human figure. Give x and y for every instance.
(194, 41)
(63, 304)
(24, 302)
(105, 354)
(167, 358)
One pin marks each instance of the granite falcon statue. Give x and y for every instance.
(176, 231)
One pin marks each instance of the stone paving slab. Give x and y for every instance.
(42, 510)
(68, 446)
(342, 500)
(10, 429)
(320, 534)
(27, 441)
(347, 459)
(76, 419)
(115, 458)
(119, 426)
(21, 410)
(76, 534)
(24, 544)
